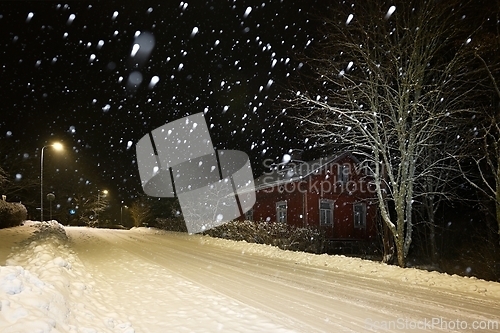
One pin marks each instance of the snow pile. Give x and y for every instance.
(368, 269)
(45, 288)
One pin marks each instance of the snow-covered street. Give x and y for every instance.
(144, 280)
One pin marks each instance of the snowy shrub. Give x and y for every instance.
(11, 214)
(171, 224)
(284, 236)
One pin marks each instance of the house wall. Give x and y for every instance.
(303, 199)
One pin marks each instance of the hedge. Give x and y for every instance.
(12, 214)
(281, 235)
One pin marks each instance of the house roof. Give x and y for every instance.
(295, 170)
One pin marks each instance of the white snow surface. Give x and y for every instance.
(71, 279)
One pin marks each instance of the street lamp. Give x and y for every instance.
(98, 205)
(51, 197)
(121, 213)
(56, 146)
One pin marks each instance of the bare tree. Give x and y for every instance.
(437, 181)
(88, 206)
(141, 211)
(484, 144)
(391, 79)
(3, 178)
(13, 181)
(484, 175)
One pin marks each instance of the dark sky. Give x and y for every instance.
(66, 70)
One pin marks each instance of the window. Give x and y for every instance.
(249, 215)
(325, 212)
(359, 209)
(281, 211)
(344, 171)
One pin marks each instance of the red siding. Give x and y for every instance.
(303, 199)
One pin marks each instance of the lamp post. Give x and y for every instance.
(51, 198)
(98, 205)
(121, 213)
(56, 146)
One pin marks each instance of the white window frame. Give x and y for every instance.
(359, 214)
(281, 213)
(326, 212)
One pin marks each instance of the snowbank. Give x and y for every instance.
(368, 269)
(45, 288)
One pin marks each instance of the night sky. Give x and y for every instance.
(66, 76)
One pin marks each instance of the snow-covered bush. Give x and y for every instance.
(171, 224)
(11, 214)
(281, 235)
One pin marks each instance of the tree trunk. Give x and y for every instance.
(400, 235)
(388, 242)
(399, 239)
(431, 218)
(498, 213)
(432, 243)
(497, 203)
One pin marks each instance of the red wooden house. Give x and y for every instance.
(333, 194)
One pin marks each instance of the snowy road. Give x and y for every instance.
(167, 282)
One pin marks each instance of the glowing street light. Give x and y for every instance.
(57, 146)
(104, 192)
(121, 213)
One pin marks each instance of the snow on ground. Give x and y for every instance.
(369, 268)
(92, 280)
(13, 236)
(44, 288)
